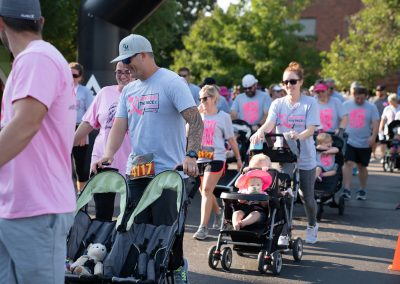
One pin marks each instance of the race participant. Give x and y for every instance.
(154, 110)
(217, 128)
(298, 115)
(184, 72)
(100, 115)
(331, 113)
(362, 130)
(388, 115)
(252, 105)
(37, 196)
(84, 98)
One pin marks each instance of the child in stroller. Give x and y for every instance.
(391, 159)
(251, 212)
(326, 165)
(329, 172)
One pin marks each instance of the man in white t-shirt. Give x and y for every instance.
(37, 198)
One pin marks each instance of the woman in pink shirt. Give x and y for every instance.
(100, 115)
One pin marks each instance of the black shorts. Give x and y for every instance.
(248, 208)
(214, 167)
(358, 155)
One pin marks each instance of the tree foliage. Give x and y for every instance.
(371, 50)
(61, 25)
(251, 37)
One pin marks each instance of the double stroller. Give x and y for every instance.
(136, 252)
(262, 238)
(391, 159)
(326, 188)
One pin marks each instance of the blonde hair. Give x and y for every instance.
(392, 97)
(296, 68)
(323, 138)
(211, 90)
(259, 161)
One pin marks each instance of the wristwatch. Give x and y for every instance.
(192, 154)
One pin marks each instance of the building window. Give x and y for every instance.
(309, 28)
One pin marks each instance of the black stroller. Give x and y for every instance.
(326, 189)
(262, 238)
(137, 252)
(391, 161)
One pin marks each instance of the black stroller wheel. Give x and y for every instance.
(262, 262)
(341, 206)
(297, 247)
(276, 263)
(213, 257)
(226, 258)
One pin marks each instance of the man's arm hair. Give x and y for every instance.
(193, 118)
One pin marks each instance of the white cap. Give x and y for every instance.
(248, 81)
(131, 45)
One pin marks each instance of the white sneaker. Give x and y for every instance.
(283, 241)
(312, 234)
(201, 234)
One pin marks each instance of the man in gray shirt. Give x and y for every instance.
(184, 72)
(362, 130)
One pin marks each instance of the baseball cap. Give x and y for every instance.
(355, 84)
(20, 9)
(248, 81)
(380, 88)
(277, 88)
(208, 81)
(320, 87)
(131, 45)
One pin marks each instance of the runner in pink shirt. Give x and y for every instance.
(36, 191)
(100, 115)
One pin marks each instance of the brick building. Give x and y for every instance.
(325, 19)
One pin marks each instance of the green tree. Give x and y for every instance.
(371, 49)
(251, 37)
(61, 25)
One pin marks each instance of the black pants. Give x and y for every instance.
(162, 211)
(104, 205)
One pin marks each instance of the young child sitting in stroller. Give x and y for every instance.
(255, 180)
(326, 165)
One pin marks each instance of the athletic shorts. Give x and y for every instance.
(358, 155)
(214, 167)
(248, 208)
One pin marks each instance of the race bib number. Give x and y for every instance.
(142, 166)
(206, 153)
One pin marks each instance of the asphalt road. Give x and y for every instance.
(354, 248)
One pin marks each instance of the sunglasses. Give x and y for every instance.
(248, 88)
(122, 72)
(183, 75)
(291, 81)
(76, 75)
(204, 99)
(128, 60)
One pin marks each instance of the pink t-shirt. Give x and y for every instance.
(39, 180)
(100, 115)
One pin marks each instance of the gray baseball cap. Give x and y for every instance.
(131, 45)
(20, 9)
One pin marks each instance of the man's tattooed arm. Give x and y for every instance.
(193, 118)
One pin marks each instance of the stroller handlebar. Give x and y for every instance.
(247, 197)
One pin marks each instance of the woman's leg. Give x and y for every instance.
(208, 200)
(307, 181)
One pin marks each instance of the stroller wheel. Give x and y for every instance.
(262, 262)
(320, 211)
(276, 263)
(213, 257)
(297, 247)
(226, 258)
(341, 206)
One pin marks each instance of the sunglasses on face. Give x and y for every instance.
(128, 60)
(76, 75)
(183, 75)
(291, 81)
(124, 72)
(204, 99)
(248, 88)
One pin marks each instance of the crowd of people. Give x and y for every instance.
(155, 113)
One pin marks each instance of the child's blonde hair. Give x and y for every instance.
(323, 138)
(259, 161)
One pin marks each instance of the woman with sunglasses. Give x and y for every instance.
(212, 156)
(100, 115)
(298, 115)
(331, 113)
(84, 98)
